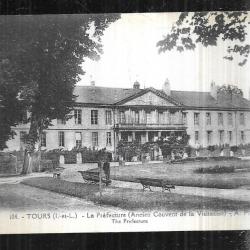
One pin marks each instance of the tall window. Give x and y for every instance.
(61, 121)
(220, 118)
(122, 117)
(208, 118)
(221, 136)
(137, 117)
(242, 119)
(230, 136)
(61, 138)
(94, 117)
(230, 119)
(184, 118)
(242, 136)
(78, 116)
(108, 117)
(78, 136)
(148, 117)
(108, 139)
(94, 139)
(196, 136)
(196, 118)
(209, 137)
(43, 139)
(161, 117)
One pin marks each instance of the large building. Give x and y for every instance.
(103, 116)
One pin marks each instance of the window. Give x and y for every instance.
(61, 121)
(161, 118)
(61, 138)
(108, 117)
(122, 117)
(137, 117)
(184, 118)
(78, 136)
(196, 118)
(196, 136)
(94, 139)
(108, 139)
(43, 139)
(208, 118)
(221, 136)
(230, 118)
(209, 137)
(242, 136)
(230, 136)
(148, 117)
(220, 119)
(94, 117)
(242, 119)
(78, 116)
(173, 118)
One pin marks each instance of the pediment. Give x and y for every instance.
(149, 98)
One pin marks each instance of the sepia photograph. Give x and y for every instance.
(125, 122)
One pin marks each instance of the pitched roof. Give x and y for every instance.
(102, 95)
(205, 100)
(109, 96)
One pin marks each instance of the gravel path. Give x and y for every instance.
(229, 194)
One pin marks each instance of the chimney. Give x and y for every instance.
(166, 87)
(213, 89)
(136, 85)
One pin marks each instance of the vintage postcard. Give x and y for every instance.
(125, 122)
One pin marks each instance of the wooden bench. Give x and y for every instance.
(147, 183)
(93, 177)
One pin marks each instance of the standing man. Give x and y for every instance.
(106, 169)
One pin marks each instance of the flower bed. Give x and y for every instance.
(218, 169)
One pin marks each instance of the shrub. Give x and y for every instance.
(218, 169)
(211, 148)
(8, 163)
(234, 148)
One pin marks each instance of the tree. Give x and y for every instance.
(207, 28)
(10, 110)
(230, 90)
(42, 57)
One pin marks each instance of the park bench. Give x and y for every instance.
(93, 177)
(147, 183)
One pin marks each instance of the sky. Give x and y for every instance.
(130, 54)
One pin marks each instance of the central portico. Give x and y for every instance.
(147, 116)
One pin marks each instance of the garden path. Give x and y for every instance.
(229, 194)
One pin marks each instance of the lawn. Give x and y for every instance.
(132, 199)
(183, 174)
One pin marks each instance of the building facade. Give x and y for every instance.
(104, 116)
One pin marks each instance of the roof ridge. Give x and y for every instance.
(190, 91)
(88, 86)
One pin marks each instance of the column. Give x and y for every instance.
(129, 115)
(119, 136)
(156, 117)
(133, 135)
(140, 116)
(167, 117)
(159, 134)
(146, 136)
(179, 117)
